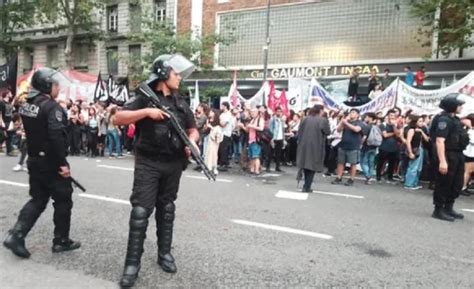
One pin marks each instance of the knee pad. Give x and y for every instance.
(140, 213)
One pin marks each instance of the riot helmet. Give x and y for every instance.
(450, 102)
(163, 65)
(43, 80)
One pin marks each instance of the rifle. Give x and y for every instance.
(147, 91)
(78, 185)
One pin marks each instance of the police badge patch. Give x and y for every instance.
(59, 116)
(442, 125)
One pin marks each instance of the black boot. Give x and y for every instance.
(164, 221)
(448, 208)
(64, 244)
(439, 213)
(136, 238)
(15, 241)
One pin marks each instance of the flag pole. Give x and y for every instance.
(265, 48)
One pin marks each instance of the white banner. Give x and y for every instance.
(298, 91)
(427, 101)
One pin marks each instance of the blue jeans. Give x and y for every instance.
(414, 170)
(113, 139)
(367, 163)
(237, 149)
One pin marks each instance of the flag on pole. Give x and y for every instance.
(195, 99)
(234, 94)
(284, 103)
(120, 94)
(100, 93)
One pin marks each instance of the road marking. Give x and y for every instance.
(283, 229)
(102, 198)
(14, 184)
(115, 168)
(339, 195)
(267, 175)
(205, 178)
(468, 210)
(291, 195)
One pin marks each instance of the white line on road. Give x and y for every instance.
(291, 195)
(283, 229)
(107, 199)
(115, 168)
(204, 178)
(468, 210)
(268, 175)
(339, 195)
(14, 184)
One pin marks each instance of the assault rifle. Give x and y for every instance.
(147, 91)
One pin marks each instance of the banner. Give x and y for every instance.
(298, 93)
(277, 99)
(234, 95)
(100, 93)
(338, 90)
(384, 102)
(194, 103)
(8, 74)
(427, 101)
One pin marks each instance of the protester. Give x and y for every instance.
(349, 147)
(92, 132)
(386, 79)
(353, 85)
(227, 124)
(236, 136)
(113, 136)
(333, 140)
(277, 128)
(75, 122)
(468, 154)
(414, 151)
(293, 128)
(409, 76)
(20, 133)
(373, 81)
(255, 126)
(376, 92)
(215, 137)
(388, 150)
(311, 145)
(420, 77)
(370, 142)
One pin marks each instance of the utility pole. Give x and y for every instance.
(265, 47)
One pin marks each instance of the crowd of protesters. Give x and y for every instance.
(90, 127)
(391, 147)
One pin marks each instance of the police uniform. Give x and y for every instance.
(159, 162)
(449, 186)
(43, 120)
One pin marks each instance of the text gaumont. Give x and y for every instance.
(313, 71)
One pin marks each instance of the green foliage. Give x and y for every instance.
(211, 92)
(13, 16)
(160, 37)
(454, 26)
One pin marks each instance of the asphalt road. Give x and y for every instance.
(244, 232)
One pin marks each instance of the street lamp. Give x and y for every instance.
(265, 48)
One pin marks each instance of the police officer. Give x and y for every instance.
(43, 120)
(160, 158)
(450, 140)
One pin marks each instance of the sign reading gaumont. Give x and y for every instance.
(313, 71)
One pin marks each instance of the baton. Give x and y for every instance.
(77, 184)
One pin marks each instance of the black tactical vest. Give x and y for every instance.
(34, 114)
(158, 138)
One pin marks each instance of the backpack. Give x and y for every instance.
(264, 136)
(375, 137)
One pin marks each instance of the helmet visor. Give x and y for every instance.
(181, 65)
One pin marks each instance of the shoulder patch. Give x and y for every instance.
(59, 116)
(442, 125)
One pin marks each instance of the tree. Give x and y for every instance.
(161, 38)
(75, 16)
(13, 16)
(209, 93)
(452, 21)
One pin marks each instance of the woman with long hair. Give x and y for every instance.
(92, 132)
(113, 135)
(215, 137)
(468, 154)
(254, 149)
(414, 151)
(75, 122)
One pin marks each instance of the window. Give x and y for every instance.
(135, 17)
(28, 58)
(52, 53)
(112, 16)
(112, 60)
(81, 55)
(135, 59)
(160, 10)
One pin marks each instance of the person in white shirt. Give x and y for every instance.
(227, 123)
